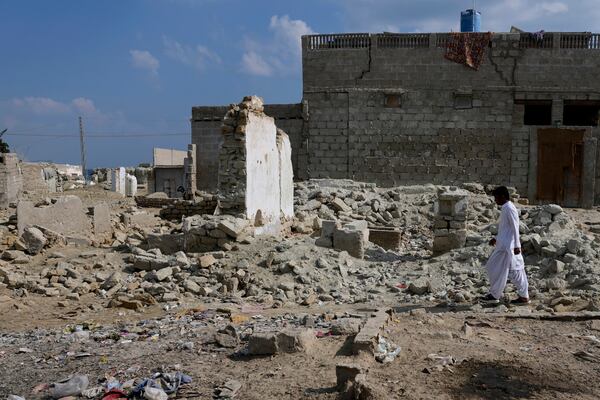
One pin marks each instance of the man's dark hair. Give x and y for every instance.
(501, 191)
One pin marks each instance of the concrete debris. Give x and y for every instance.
(228, 390)
(285, 341)
(33, 239)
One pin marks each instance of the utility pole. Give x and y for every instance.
(82, 144)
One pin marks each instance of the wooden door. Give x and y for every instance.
(560, 166)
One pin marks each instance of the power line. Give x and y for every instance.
(114, 135)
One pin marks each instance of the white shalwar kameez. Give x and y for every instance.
(503, 263)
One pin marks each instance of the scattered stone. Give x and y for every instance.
(34, 240)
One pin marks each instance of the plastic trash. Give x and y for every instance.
(151, 393)
(72, 387)
(386, 351)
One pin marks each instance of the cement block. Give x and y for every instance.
(351, 241)
(295, 340)
(389, 239)
(261, 344)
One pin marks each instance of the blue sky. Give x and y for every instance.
(136, 67)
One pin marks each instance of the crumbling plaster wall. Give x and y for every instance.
(206, 135)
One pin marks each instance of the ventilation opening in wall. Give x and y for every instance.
(537, 112)
(393, 100)
(463, 101)
(581, 113)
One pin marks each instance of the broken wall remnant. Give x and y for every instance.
(450, 225)
(66, 217)
(207, 136)
(189, 170)
(38, 179)
(118, 180)
(101, 223)
(11, 179)
(250, 167)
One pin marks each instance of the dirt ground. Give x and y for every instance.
(504, 358)
(497, 357)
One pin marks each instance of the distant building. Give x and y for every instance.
(168, 172)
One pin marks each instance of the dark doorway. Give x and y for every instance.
(560, 166)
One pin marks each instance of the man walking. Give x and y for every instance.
(506, 262)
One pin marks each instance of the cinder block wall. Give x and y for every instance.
(431, 136)
(206, 135)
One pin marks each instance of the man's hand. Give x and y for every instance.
(492, 242)
(517, 251)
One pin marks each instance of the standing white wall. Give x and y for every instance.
(262, 163)
(286, 174)
(118, 180)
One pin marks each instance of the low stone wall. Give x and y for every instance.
(180, 208)
(154, 202)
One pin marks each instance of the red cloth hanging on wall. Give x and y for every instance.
(468, 48)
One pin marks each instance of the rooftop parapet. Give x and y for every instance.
(549, 40)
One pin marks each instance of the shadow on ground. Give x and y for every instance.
(492, 381)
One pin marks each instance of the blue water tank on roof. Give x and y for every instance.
(470, 21)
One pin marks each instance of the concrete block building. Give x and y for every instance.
(391, 109)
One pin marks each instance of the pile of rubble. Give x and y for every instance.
(333, 254)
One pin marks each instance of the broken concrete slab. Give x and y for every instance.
(367, 338)
(286, 341)
(233, 227)
(140, 219)
(66, 217)
(101, 222)
(339, 205)
(166, 243)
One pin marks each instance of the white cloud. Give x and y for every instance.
(254, 64)
(288, 32)
(42, 105)
(444, 15)
(554, 7)
(84, 106)
(197, 57)
(45, 106)
(144, 60)
(281, 53)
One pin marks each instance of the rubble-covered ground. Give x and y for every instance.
(272, 316)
